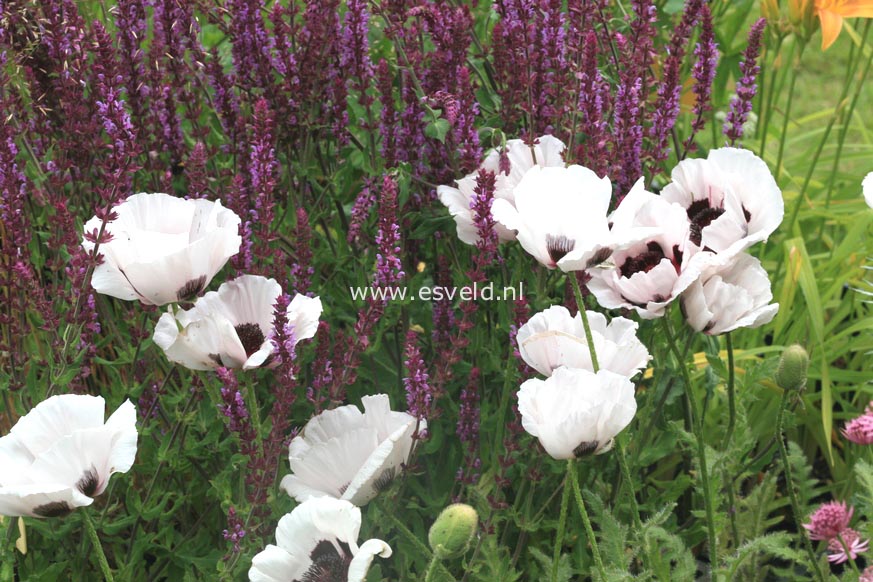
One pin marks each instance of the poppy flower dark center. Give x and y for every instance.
(701, 214)
(328, 565)
(649, 259)
(251, 337)
(558, 246)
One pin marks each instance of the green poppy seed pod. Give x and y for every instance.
(791, 374)
(453, 531)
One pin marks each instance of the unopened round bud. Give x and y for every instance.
(791, 374)
(453, 531)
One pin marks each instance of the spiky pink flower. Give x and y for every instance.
(829, 520)
(860, 430)
(846, 545)
(866, 575)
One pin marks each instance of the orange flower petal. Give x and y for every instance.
(831, 25)
(856, 9)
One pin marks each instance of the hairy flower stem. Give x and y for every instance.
(732, 421)
(431, 569)
(789, 481)
(580, 503)
(413, 539)
(580, 305)
(697, 427)
(632, 497)
(731, 390)
(622, 460)
(562, 524)
(98, 547)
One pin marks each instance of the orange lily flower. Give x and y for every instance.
(832, 12)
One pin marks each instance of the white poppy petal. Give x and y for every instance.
(41, 500)
(343, 453)
(364, 558)
(162, 248)
(303, 315)
(63, 452)
(867, 188)
(56, 417)
(575, 412)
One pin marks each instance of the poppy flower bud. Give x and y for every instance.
(791, 374)
(454, 529)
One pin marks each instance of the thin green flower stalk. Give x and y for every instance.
(791, 377)
(562, 524)
(583, 512)
(98, 547)
(697, 427)
(620, 450)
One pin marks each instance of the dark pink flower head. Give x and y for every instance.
(829, 520)
(847, 545)
(860, 430)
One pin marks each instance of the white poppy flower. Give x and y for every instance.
(318, 540)
(60, 455)
(867, 186)
(346, 454)
(728, 297)
(574, 412)
(731, 199)
(547, 152)
(233, 327)
(163, 249)
(648, 275)
(554, 338)
(560, 217)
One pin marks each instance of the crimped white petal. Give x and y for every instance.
(364, 558)
(303, 314)
(331, 467)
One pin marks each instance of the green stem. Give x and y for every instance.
(789, 481)
(413, 539)
(635, 510)
(580, 304)
(431, 569)
(580, 503)
(562, 524)
(731, 390)
(697, 427)
(98, 547)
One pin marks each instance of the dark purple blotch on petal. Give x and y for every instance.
(558, 246)
(88, 483)
(701, 214)
(191, 289)
(53, 509)
(585, 449)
